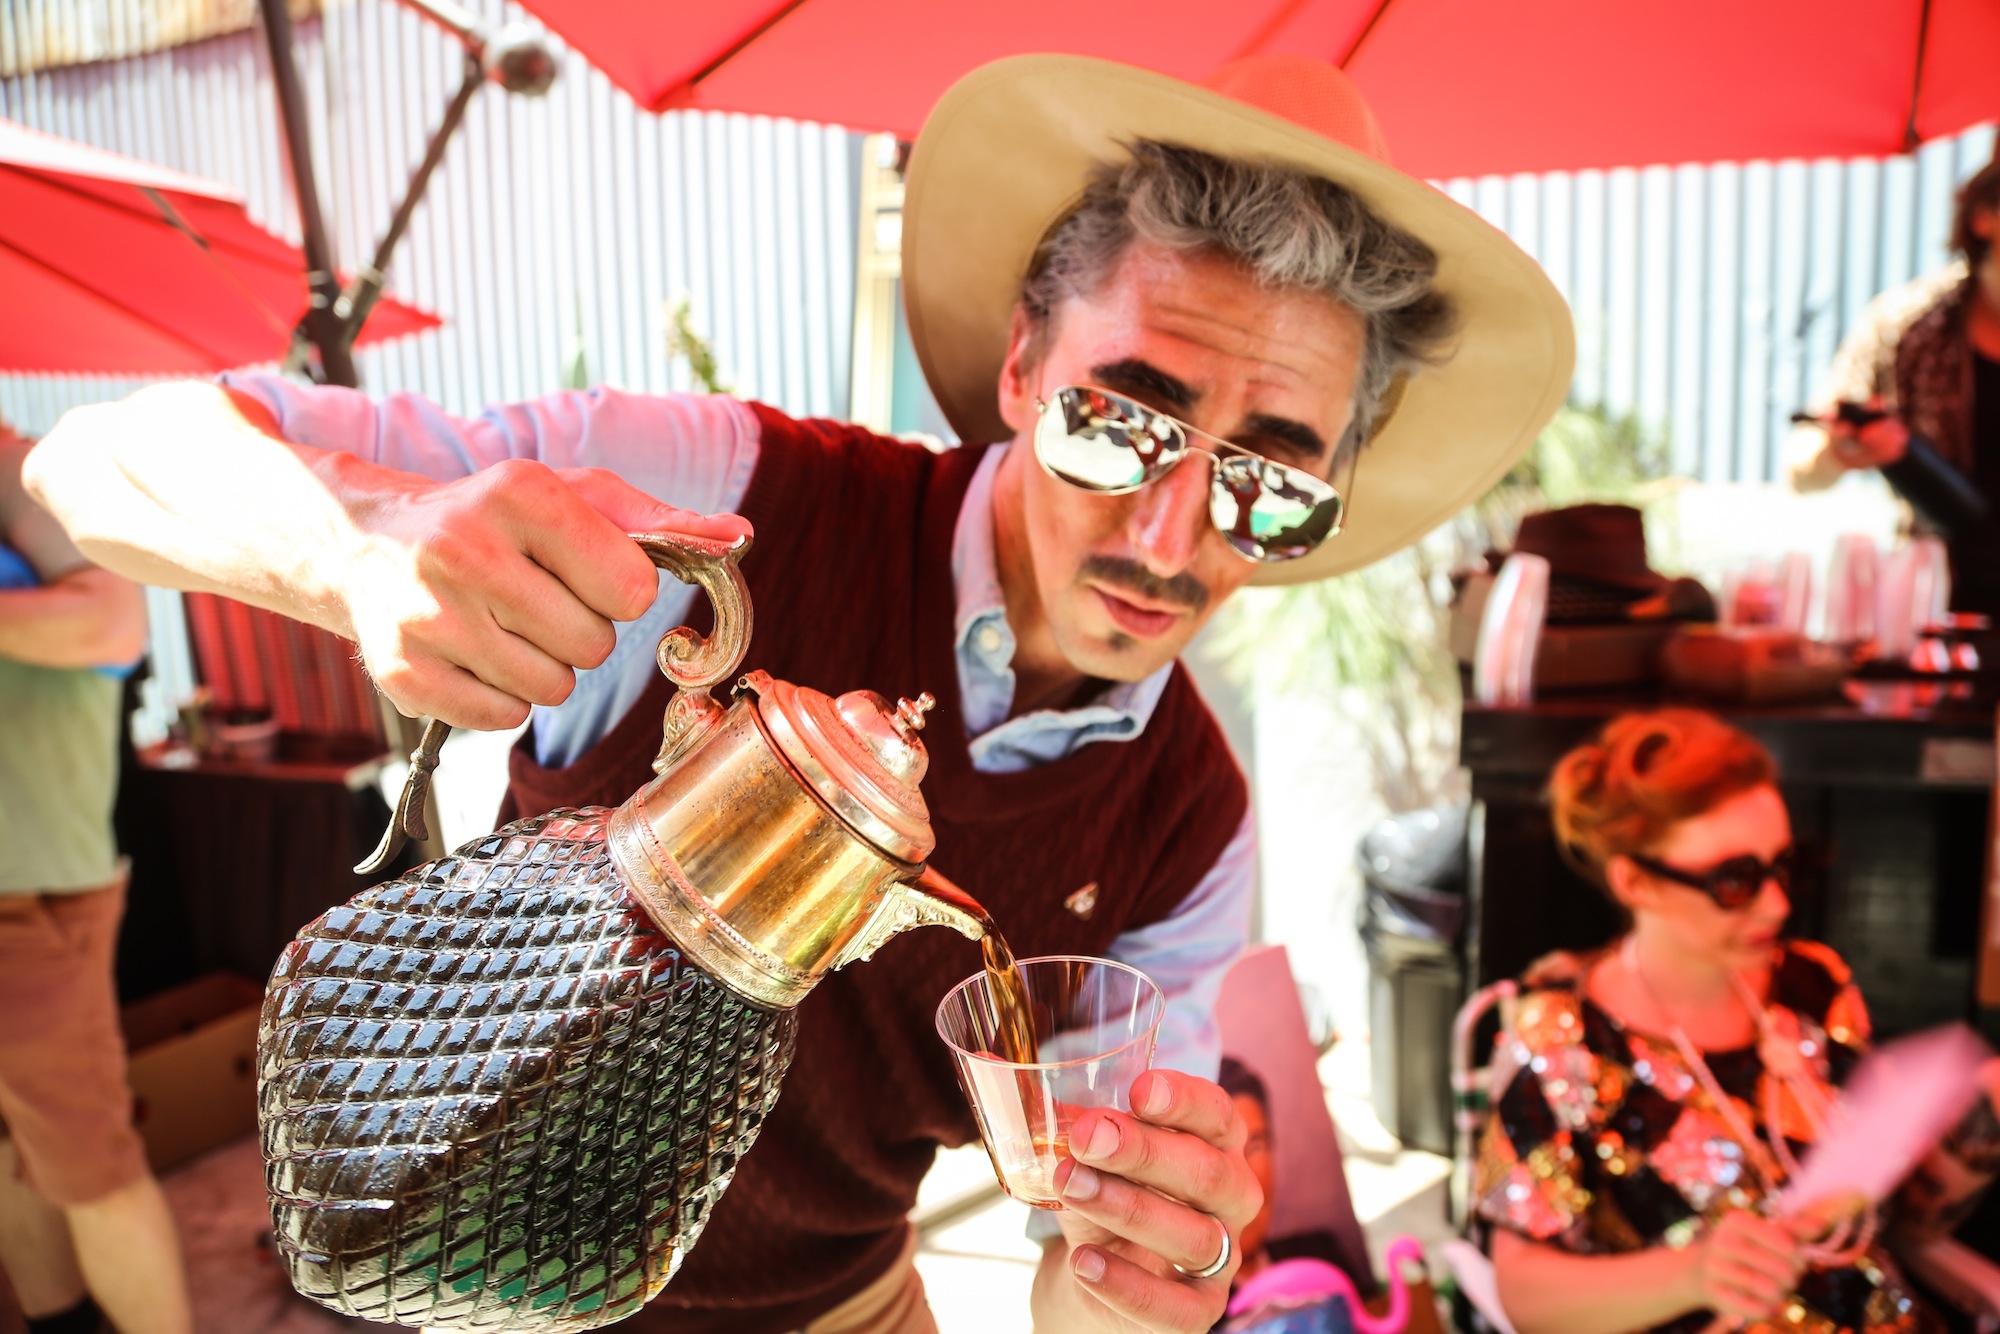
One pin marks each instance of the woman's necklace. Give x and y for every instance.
(1785, 1062)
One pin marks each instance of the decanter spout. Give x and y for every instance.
(929, 900)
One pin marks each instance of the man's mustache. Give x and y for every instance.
(1183, 589)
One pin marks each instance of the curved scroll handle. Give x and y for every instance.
(691, 661)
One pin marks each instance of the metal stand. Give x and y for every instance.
(320, 330)
(515, 57)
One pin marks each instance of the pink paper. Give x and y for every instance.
(1895, 1108)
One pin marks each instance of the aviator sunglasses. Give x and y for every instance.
(1734, 884)
(1104, 442)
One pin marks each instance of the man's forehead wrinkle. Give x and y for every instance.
(1267, 334)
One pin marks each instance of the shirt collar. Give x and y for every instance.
(982, 606)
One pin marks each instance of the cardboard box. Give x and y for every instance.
(194, 1066)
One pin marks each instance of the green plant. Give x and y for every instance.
(576, 361)
(686, 342)
(1373, 642)
(1585, 454)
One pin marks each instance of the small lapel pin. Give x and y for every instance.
(1084, 901)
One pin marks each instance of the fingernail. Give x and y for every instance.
(1082, 1184)
(1088, 1265)
(1104, 1140)
(1159, 1097)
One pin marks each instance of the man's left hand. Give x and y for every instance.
(1147, 1192)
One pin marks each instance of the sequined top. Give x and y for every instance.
(1603, 1141)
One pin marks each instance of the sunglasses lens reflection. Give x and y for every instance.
(1267, 512)
(1099, 443)
(1111, 445)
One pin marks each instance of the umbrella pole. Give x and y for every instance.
(366, 286)
(321, 327)
(516, 58)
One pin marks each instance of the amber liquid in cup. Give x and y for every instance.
(1087, 1027)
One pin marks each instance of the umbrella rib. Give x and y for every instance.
(1910, 139)
(117, 206)
(1279, 18)
(229, 275)
(777, 16)
(1381, 8)
(206, 353)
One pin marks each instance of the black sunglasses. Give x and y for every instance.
(1104, 442)
(1734, 884)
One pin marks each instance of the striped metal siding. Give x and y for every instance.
(44, 34)
(553, 225)
(1709, 300)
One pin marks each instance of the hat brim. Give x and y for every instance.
(1005, 154)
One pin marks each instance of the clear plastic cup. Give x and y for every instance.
(1095, 1024)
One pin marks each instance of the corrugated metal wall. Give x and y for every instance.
(43, 34)
(555, 225)
(1709, 300)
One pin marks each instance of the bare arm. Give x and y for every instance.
(470, 599)
(1947, 1184)
(188, 486)
(1745, 1267)
(86, 618)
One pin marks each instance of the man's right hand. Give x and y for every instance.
(473, 599)
(1879, 443)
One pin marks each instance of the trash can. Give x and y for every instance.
(1413, 869)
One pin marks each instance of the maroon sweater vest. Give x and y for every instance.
(851, 579)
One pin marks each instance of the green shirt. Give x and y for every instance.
(58, 732)
(58, 778)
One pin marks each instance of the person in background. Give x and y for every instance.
(1927, 354)
(1260, 1248)
(1623, 1166)
(83, 1224)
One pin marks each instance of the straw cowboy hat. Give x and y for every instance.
(1004, 157)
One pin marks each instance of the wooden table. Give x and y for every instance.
(1890, 793)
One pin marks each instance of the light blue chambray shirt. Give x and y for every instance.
(698, 452)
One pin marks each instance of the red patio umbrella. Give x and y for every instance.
(1461, 87)
(112, 265)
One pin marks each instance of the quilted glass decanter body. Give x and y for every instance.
(504, 1090)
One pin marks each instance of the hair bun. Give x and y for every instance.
(1620, 792)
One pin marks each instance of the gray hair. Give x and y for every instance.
(1288, 228)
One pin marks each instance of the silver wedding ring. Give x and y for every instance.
(1221, 1261)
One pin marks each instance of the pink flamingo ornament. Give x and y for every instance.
(1300, 1282)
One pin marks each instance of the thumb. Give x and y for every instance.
(633, 511)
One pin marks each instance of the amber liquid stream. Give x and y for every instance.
(1010, 997)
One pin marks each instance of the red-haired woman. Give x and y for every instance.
(1667, 1086)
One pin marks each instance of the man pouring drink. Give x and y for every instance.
(1213, 337)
